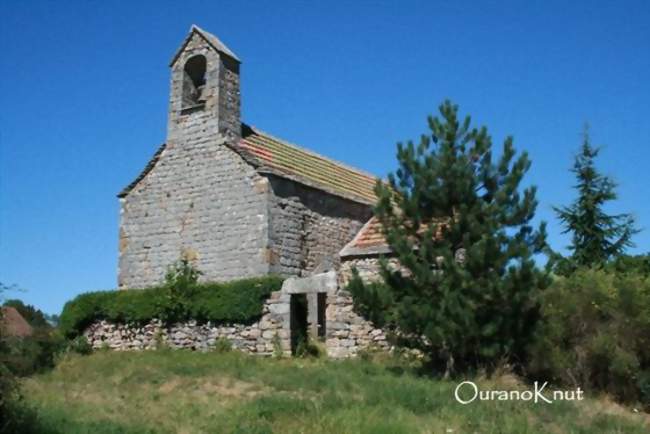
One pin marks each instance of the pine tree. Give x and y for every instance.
(461, 229)
(597, 236)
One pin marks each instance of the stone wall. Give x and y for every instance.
(308, 226)
(200, 200)
(256, 338)
(215, 214)
(368, 268)
(346, 332)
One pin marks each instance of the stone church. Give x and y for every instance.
(235, 200)
(239, 202)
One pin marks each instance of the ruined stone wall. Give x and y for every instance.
(368, 268)
(346, 332)
(308, 226)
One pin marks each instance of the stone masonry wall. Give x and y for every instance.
(368, 268)
(214, 214)
(200, 200)
(256, 338)
(308, 226)
(346, 332)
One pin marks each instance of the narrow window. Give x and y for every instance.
(194, 82)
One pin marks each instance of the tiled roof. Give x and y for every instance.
(283, 159)
(274, 156)
(370, 240)
(13, 323)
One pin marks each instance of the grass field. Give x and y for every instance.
(189, 392)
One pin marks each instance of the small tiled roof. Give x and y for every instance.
(13, 323)
(286, 160)
(274, 156)
(370, 240)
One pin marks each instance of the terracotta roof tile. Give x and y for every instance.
(283, 159)
(370, 240)
(13, 323)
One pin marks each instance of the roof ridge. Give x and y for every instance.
(210, 39)
(315, 154)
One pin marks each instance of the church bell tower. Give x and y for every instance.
(204, 97)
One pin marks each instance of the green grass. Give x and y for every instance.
(188, 392)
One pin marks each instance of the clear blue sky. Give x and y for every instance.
(84, 88)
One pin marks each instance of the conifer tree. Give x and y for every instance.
(597, 236)
(457, 221)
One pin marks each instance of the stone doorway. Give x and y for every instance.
(298, 321)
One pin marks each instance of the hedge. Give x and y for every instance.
(239, 301)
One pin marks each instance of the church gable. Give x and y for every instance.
(236, 201)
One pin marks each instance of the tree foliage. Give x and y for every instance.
(460, 225)
(35, 317)
(597, 236)
(595, 333)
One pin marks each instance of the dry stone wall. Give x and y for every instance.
(257, 338)
(368, 268)
(346, 332)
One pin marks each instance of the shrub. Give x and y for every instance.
(278, 352)
(239, 301)
(15, 415)
(222, 345)
(309, 348)
(35, 317)
(596, 334)
(80, 345)
(36, 353)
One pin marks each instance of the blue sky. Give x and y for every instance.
(84, 93)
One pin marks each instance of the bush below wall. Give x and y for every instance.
(239, 301)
